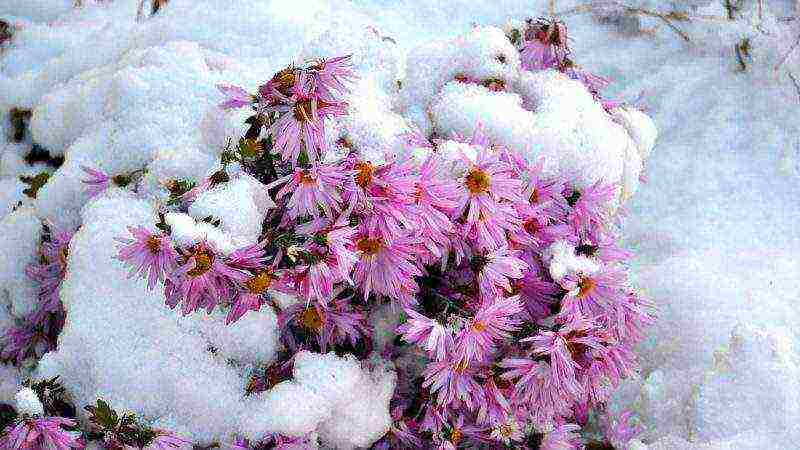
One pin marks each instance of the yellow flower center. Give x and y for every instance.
(306, 178)
(478, 181)
(259, 283)
(365, 170)
(369, 246)
(303, 111)
(153, 244)
(586, 286)
(202, 264)
(311, 319)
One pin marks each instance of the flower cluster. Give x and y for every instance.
(508, 279)
(36, 333)
(544, 44)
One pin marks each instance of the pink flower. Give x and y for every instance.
(201, 281)
(97, 182)
(331, 76)
(387, 267)
(336, 323)
(385, 195)
(148, 254)
(21, 342)
(589, 206)
(563, 437)
(593, 295)
(301, 127)
(536, 388)
(427, 333)
(250, 296)
(313, 189)
(496, 268)
(487, 183)
(437, 197)
(166, 441)
(494, 407)
(494, 321)
(251, 257)
(452, 382)
(40, 434)
(545, 46)
(235, 97)
(620, 430)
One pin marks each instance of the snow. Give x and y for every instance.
(714, 227)
(347, 404)
(28, 402)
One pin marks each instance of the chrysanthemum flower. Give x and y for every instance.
(619, 430)
(150, 255)
(590, 206)
(168, 441)
(202, 280)
(385, 195)
(495, 320)
(536, 389)
(301, 126)
(545, 45)
(496, 269)
(387, 267)
(45, 433)
(250, 296)
(487, 183)
(21, 342)
(97, 182)
(564, 347)
(437, 196)
(495, 405)
(312, 189)
(453, 381)
(593, 295)
(331, 77)
(235, 97)
(251, 257)
(332, 324)
(507, 432)
(563, 437)
(427, 333)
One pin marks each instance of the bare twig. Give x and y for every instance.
(667, 18)
(786, 56)
(796, 84)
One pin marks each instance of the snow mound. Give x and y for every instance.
(347, 404)
(544, 113)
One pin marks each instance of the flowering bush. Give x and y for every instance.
(515, 316)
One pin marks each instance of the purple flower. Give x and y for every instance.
(251, 295)
(301, 127)
(453, 381)
(21, 342)
(331, 76)
(427, 333)
(167, 441)
(496, 269)
(97, 182)
(437, 197)
(235, 97)
(494, 320)
(563, 437)
(336, 323)
(148, 254)
(487, 184)
(620, 430)
(589, 206)
(387, 267)
(536, 390)
(40, 434)
(202, 280)
(313, 189)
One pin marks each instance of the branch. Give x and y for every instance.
(796, 84)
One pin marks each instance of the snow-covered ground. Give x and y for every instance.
(714, 227)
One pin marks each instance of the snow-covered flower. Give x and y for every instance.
(235, 97)
(97, 181)
(149, 255)
(44, 433)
